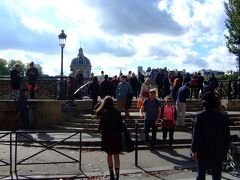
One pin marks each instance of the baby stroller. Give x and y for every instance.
(232, 163)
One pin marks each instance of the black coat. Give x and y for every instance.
(15, 79)
(211, 136)
(111, 125)
(32, 75)
(94, 90)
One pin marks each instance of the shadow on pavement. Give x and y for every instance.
(179, 163)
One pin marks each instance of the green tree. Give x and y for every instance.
(3, 67)
(7, 66)
(232, 22)
(12, 62)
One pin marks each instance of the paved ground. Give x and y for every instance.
(161, 164)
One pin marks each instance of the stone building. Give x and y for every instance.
(81, 63)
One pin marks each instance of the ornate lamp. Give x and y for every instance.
(62, 41)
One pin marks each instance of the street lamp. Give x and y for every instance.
(238, 54)
(238, 60)
(62, 41)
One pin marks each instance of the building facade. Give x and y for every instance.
(81, 63)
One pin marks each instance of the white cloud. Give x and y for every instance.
(117, 35)
(219, 58)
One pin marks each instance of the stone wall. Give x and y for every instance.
(231, 105)
(44, 114)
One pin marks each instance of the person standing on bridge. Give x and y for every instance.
(111, 125)
(16, 81)
(211, 137)
(32, 77)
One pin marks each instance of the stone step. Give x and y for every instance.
(96, 125)
(134, 115)
(132, 120)
(94, 129)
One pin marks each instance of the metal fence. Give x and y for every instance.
(47, 141)
(6, 160)
(20, 144)
(47, 88)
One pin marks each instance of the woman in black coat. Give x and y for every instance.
(111, 125)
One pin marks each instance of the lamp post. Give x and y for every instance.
(238, 60)
(62, 41)
(238, 54)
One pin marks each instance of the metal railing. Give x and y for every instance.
(6, 139)
(47, 87)
(26, 137)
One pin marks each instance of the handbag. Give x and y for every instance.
(127, 142)
(139, 103)
(167, 124)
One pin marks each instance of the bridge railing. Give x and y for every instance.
(228, 90)
(49, 88)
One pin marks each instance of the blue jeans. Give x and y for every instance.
(147, 126)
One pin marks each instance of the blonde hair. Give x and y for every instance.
(176, 82)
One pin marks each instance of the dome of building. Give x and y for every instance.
(80, 59)
(81, 63)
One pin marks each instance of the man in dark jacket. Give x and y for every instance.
(182, 96)
(94, 91)
(32, 76)
(105, 87)
(211, 137)
(212, 83)
(160, 83)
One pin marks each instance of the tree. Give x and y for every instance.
(3, 67)
(12, 62)
(7, 66)
(232, 22)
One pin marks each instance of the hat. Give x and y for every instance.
(152, 90)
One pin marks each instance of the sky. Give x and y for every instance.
(117, 34)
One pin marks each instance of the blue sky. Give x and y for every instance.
(177, 34)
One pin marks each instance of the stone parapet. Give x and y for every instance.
(43, 113)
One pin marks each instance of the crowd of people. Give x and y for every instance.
(211, 134)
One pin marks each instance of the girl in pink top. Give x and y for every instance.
(168, 116)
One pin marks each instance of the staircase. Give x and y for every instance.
(88, 124)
